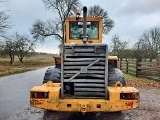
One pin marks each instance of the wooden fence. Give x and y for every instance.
(138, 68)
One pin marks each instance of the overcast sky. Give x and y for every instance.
(132, 17)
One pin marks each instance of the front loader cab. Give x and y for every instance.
(74, 30)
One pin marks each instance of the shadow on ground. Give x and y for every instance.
(50, 115)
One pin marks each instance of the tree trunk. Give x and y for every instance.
(21, 59)
(11, 59)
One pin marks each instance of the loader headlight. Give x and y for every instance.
(39, 95)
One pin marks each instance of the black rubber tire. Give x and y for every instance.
(115, 75)
(52, 74)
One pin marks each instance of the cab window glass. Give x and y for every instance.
(76, 30)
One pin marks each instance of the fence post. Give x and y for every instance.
(127, 66)
(120, 65)
(137, 66)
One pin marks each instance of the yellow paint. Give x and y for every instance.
(112, 58)
(55, 103)
(57, 59)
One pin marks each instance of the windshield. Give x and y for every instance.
(76, 30)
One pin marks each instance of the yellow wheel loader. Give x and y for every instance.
(85, 78)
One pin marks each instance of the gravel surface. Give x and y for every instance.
(14, 102)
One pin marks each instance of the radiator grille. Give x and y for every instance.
(85, 68)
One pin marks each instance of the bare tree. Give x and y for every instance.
(139, 50)
(41, 30)
(97, 11)
(118, 46)
(149, 42)
(9, 48)
(18, 45)
(4, 23)
(2, 51)
(61, 8)
(23, 46)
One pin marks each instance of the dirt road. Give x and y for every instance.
(14, 102)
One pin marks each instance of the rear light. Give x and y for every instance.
(129, 96)
(39, 94)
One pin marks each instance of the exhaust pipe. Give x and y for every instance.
(84, 36)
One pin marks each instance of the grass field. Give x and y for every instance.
(29, 63)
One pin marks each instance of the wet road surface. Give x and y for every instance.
(14, 91)
(14, 102)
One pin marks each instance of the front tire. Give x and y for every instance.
(52, 74)
(115, 75)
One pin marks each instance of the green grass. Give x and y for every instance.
(29, 63)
